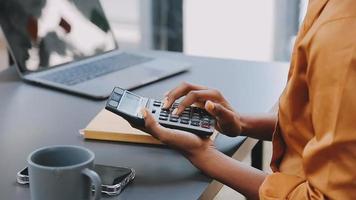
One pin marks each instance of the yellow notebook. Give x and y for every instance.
(111, 127)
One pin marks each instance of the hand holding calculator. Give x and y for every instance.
(128, 105)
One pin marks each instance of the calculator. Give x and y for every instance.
(128, 105)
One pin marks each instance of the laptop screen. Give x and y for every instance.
(47, 33)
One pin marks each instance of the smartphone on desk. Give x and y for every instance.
(128, 105)
(114, 179)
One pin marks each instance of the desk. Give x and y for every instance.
(32, 117)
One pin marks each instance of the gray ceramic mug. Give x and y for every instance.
(63, 172)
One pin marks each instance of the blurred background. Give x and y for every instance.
(238, 29)
(254, 30)
(234, 29)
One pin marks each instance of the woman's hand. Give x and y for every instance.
(228, 121)
(189, 144)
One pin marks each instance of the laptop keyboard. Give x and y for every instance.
(101, 67)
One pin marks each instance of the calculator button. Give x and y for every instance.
(195, 119)
(116, 97)
(206, 121)
(184, 121)
(118, 91)
(184, 118)
(173, 119)
(163, 118)
(113, 103)
(194, 123)
(163, 115)
(204, 125)
(164, 111)
(157, 104)
(185, 113)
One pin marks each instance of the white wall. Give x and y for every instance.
(229, 28)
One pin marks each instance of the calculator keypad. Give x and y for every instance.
(193, 118)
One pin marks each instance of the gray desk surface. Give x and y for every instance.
(32, 117)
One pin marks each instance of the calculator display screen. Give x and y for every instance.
(130, 103)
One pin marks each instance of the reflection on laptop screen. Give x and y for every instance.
(46, 33)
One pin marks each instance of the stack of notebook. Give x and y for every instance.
(111, 127)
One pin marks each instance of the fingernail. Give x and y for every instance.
(143, 112)
(209, 105)
(175, 111)
(165, 102)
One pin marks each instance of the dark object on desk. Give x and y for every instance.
(77, 56)
(129, 105)
(114, 179)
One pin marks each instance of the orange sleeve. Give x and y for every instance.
(329, 158)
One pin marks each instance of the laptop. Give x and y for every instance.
(69, 45)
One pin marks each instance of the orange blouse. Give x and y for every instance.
(314, 145)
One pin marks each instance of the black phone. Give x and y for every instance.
(114, 179)
(128, 105)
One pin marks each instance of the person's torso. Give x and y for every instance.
(295, 118)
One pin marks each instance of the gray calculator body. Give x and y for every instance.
(128, 105)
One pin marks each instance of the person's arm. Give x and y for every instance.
(260, 127)
(235, 174)
(202, 153)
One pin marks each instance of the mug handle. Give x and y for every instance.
(95, 179)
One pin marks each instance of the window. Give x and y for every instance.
(229, 28)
